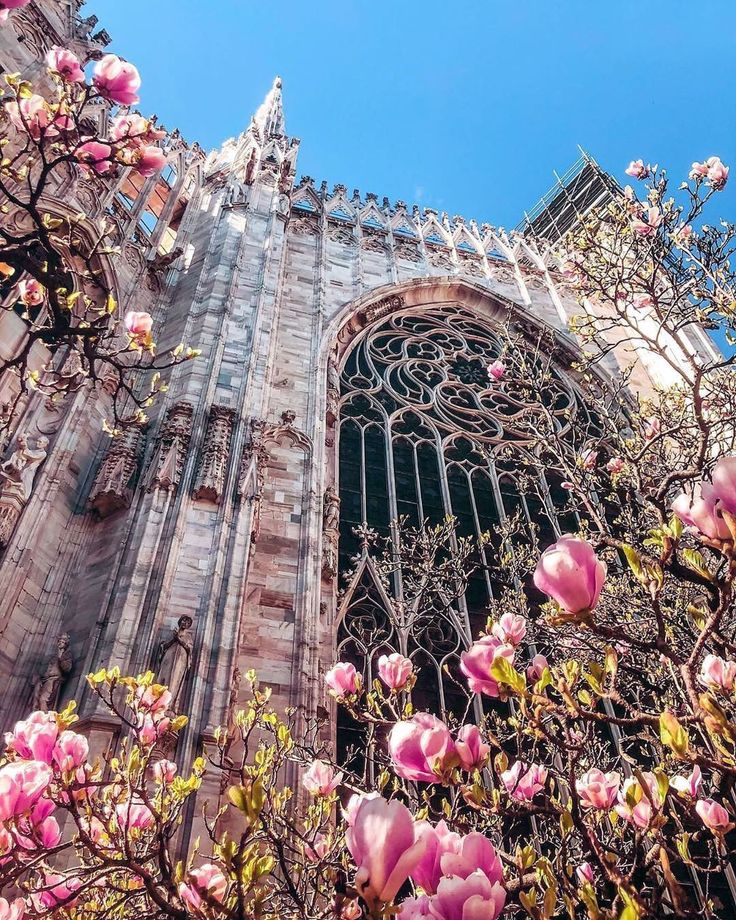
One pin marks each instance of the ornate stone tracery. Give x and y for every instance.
(172, 447)
(215, 456)
(115, 479)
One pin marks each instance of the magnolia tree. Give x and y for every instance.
(586, 765)
(54, 260)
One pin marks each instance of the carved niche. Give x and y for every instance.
(215, 456)
(115, 480)
(172, 447)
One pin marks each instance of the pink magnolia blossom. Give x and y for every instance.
(34, 738)
(343, 680)
(11, 910)
(395, 670)
(524, 781)
(413, 908)
(116, 80)
(71, 751)
(156, 698)
(386, 845)
(615, 465)
(32, 115)
(420, 747)
(536, 669)
(31, 292)
(470, 747)
(652, 427)
(134, 815)
(139, 325)
(585, 873)
(702, 510)
(471, 898)
(589, 460)
(439, 841)
(724, 482)
(22, 783)
(56, 890)
(682, 234)
(718, 673)
(321, 778)
(647, 224)
(717, 173)
(598, 789)
(208, 881)
(473, 852)
(688, 785)
(66, 64)
(477, 661)
(637, 805)
(510, 628)
(134, 130)
(714, 816)
(7, 5)
(350, 810)
(318, 848)
(698, 170)
(44, 834)
(96, 156)
(570, 572)
(151, 729)
(147, 161)
(164, 771)
(496, 369)
(637, 170)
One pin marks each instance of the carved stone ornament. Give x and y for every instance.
(304, 226)
(171, 450)
(330, 531)
(17, 475)
(133, 256)
(374, 241)
(471, 265)
(385, 306)
(502, 273)
(115, 480)
(215, 455)
(409, 252)
(47, 686)
(333, 387)
(253, 474)
(440, 258)
(339, 234)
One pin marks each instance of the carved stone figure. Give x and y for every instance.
(175, 658)
(333, 387)
(47, 687)
(20, 468)
(330, 531)
(215, 456)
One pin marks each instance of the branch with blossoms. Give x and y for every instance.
(53, 261)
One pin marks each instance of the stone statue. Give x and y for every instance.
(333, 372)
(48, 686)
(331, 514)
(175, 657)
(22, 464)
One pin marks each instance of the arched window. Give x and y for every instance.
(421, 436)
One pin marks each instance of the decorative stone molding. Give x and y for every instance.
(383, 307)
(213, 464)
(440, 259)
(115, 481)
(409, 252)
(172, 447)
(340, 234)
(253, 473)
(303, 226)
(17, 475)
(373, 241)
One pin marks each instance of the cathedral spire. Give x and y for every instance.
(269, 119)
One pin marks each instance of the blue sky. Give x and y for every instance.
(465, 107)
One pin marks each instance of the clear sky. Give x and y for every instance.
(466, 107)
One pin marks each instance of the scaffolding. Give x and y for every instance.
(576, 192)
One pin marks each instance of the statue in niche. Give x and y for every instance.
(47, 687)
(333, 387)
(20, 468)
(174, 658)
(330, 531)
(331, 517)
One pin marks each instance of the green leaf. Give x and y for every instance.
(672, 734)
(696, 563)
(634, 560)
(504, 672)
